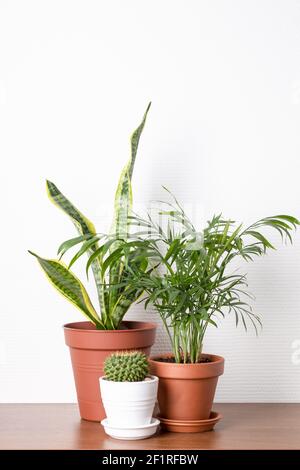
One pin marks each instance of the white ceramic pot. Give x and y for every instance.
(129, 403)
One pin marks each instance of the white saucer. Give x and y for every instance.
(131, 434)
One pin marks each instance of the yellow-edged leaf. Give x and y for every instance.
(123, 196)
(84, 227)
(123, 203)
(69, 286)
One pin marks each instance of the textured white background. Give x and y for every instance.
(223, 134)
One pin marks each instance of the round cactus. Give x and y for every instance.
(131, 366)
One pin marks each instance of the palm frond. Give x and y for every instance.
(194, 285)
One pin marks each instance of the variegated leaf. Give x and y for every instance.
(123, 196)
(69, 286)
(84, 227)
(123, 206)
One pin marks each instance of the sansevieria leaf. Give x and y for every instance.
(69, 286)
(123, 196)
(123, 205)
(84, 227)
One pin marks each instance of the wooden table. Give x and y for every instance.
(58, 426)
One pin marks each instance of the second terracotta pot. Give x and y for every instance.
(186, 391)
(89, 348)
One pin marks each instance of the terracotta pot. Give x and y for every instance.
(89, 347)
(186, 391)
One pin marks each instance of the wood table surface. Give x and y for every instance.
(58, 426)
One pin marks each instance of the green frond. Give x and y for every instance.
(194, 286)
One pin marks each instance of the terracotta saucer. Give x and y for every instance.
(201, 425)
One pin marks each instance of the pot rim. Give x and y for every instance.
(172, 370)
(144, 326)
(215, 359)
(153, 379)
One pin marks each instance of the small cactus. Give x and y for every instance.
(130, 366)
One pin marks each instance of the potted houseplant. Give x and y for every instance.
(128, 395)
(190, 289)
(105, 331)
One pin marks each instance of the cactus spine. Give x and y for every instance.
(129, 366)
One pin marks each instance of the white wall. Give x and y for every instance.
(223, 133)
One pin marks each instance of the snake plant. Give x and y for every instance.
(109, 261)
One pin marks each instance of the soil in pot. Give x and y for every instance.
(89, 348)
(171, 360)
(186, 391)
